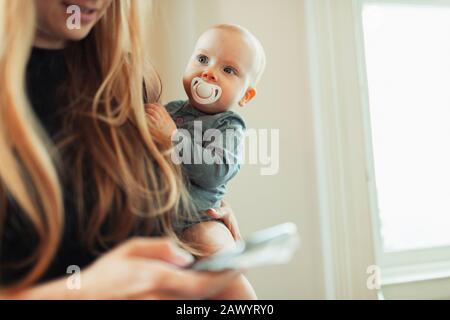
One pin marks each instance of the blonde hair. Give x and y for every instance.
(105, 139)
(260, 54)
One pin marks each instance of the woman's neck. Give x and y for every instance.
(44, 41)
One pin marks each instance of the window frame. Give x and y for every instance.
(349, 221)
(404, 265)
(345, 215)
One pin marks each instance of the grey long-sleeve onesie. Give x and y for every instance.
(213, 156)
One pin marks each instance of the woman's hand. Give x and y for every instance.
(226, 215)
(141, 268)
(160, 119)
(211, 237)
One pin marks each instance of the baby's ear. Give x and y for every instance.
(249, 95)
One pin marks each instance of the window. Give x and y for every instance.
(407, 51)
(380, 79)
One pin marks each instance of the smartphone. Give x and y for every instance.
(275, 245)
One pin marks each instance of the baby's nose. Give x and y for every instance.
(209, 75)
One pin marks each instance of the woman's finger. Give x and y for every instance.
(153, 113)
(217, 213)
(235, 228)
(229, 224)
(153, 120)
(226, 215)
(159, 109)
(159, 249)
(151, 106)
(161, 296)
(214, 213)
(196, 285)
(154, 117)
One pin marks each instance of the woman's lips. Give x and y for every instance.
(87, 14)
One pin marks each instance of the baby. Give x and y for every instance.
(222, 73)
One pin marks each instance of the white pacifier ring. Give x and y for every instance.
(204, 92)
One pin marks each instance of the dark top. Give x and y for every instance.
(46, 72)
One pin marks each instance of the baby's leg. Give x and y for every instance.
(211, 237)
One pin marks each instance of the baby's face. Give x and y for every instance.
(225, 60)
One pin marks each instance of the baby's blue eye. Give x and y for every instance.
(230, 70)
(202, 59)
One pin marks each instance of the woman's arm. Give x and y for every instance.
(141, 268)
(53, 290)
(211, 237)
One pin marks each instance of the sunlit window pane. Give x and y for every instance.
(408, 65)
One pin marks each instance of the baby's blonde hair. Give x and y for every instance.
(259, 50)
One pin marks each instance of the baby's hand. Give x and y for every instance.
(160, 119)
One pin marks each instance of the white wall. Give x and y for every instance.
(283, 102)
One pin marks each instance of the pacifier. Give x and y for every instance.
(204, 92)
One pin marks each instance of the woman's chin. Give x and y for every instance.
(77, 34)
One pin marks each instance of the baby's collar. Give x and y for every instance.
(191, 109)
